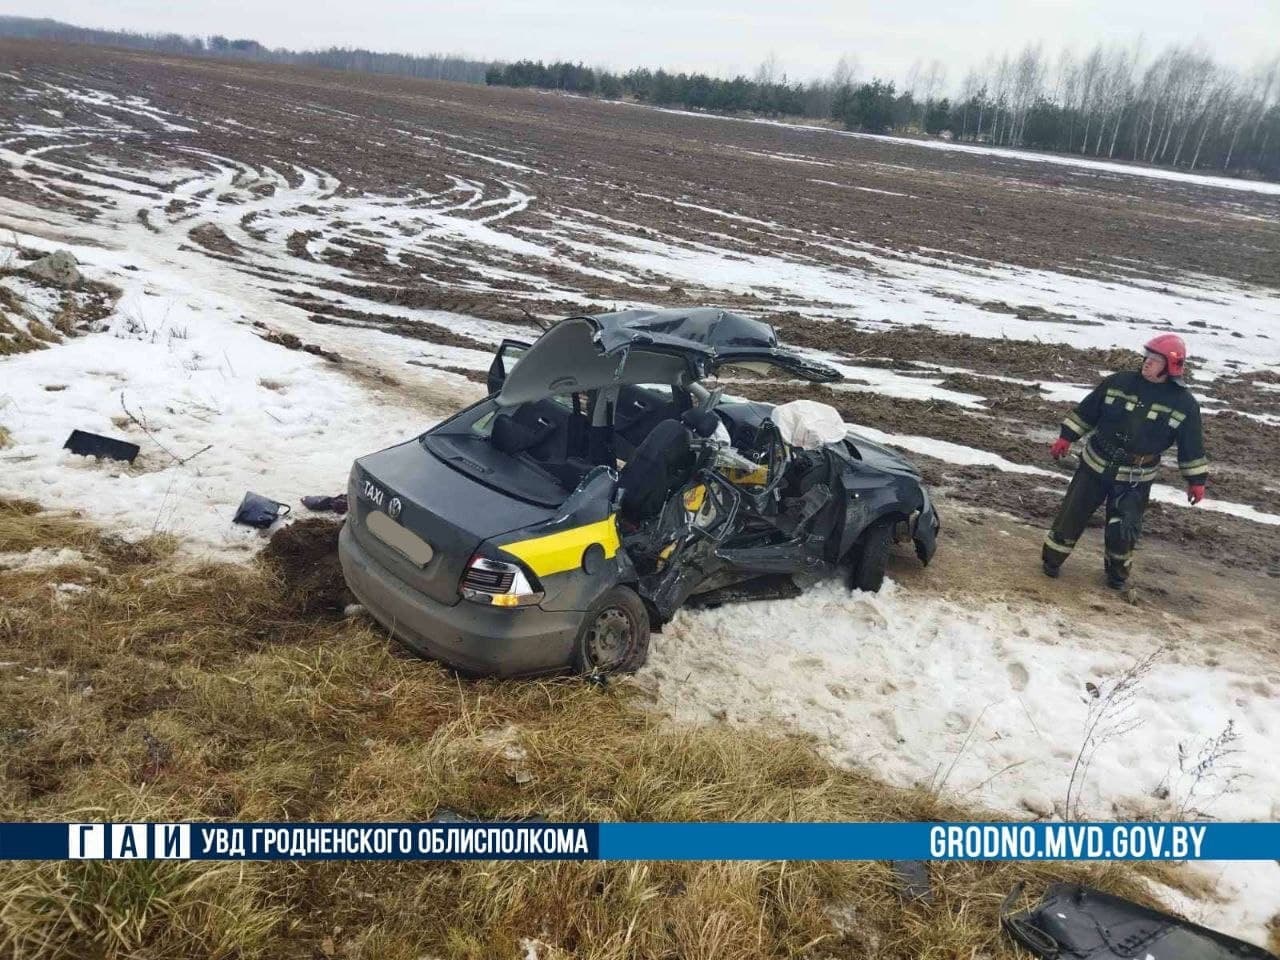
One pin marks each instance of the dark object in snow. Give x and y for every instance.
(255, 510)
(913, 880)
(86, 444)
(336, 504)
(1074, 921)
(774, 586)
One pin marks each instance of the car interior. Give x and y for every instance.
(645, 431)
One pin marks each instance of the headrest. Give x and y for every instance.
(701, 422)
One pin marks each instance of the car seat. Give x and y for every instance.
(660, 466)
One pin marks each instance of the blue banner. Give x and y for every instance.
(640, 841)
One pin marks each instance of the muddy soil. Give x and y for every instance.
(334, 314)
(304, 556)
(1204, 607)
(213, 238)
(1023, 359)
(597, 155)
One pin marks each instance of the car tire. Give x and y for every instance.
(870, 557)
(614, 636)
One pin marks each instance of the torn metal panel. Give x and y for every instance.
(1078, 922)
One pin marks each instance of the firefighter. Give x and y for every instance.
(1130, 418)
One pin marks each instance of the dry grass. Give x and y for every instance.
(230, 692)
(6, 438)
(14, 340)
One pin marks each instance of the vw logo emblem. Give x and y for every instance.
(394, 508)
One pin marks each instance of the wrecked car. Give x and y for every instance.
(605, 482)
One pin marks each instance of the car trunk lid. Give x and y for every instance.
(423, 520)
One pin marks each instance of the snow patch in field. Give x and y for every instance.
(849, 186)
(945, 450)
(903, 290)
(41, 558)
(986, 700)
(893, 384)
(38, 302)
(180, 357)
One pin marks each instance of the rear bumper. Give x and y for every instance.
(474, 639)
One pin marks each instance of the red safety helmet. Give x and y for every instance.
(1173, 349)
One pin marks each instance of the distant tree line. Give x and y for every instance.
(429, 66)
(1177, 108)
(694, 91)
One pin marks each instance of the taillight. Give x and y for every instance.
(498, 583)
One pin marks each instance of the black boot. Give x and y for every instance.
(1116, 577)
(1117, 574)
(1051, 569)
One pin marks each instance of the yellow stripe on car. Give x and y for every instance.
(561, 551)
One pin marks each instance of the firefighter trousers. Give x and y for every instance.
(1126, 503)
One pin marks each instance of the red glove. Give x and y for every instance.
(1195, 492)
(1060, 448)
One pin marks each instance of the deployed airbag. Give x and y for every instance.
(1074, 921)
(808, 424)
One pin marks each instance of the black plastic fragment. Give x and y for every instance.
(255, 510)
(1074, 922)
(913, 880)
(86, 444)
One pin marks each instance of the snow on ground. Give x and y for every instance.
(180, 355)
(41, 558)
(988, 701)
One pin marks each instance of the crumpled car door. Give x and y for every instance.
(696, 520)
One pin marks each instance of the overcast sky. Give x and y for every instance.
(716, 36)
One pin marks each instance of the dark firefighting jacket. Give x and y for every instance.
(1130, 422)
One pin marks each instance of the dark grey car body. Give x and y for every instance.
(526, 481)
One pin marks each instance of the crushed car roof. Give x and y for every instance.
(647, 346)
(702, 329)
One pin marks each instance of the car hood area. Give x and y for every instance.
(879, 456)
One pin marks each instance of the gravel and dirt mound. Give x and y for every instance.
(303, 555)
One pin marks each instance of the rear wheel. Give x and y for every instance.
(870, 557)
(614, 637)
